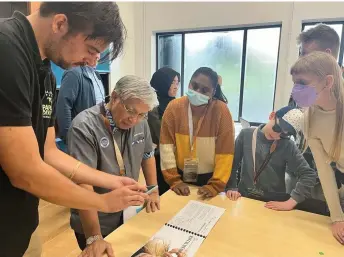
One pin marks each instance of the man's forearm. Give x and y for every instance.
(83, 175)
(47, 183)
(149, 171)
(89, 219)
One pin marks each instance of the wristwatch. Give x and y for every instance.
(91, 239)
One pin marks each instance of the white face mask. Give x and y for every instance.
(197, 99)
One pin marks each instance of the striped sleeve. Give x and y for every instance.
(167, 146)
(224, 152)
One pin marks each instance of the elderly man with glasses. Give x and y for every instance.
(114, 137)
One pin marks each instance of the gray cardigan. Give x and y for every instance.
(286, 158)
(76, 94)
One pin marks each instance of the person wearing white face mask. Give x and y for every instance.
(198, 147)
(319, 88)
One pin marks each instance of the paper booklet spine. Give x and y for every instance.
(185, 230)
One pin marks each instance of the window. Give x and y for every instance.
(170, 53)
(338, 27)
(260, 73)
(246, 58)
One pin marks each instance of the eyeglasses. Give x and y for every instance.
(132, 113)
(277, 128)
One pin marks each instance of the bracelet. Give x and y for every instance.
(75, 170)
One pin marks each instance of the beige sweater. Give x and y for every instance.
(320, 134)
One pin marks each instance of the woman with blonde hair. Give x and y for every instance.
(318, 87)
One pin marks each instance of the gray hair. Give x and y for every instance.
(132, 86)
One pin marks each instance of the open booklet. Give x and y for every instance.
(184, 233)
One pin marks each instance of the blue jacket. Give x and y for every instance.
(75, 95)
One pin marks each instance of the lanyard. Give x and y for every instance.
(109, 123)
(199, 124)
(267, 158)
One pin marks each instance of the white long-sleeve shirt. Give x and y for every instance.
(320, 137)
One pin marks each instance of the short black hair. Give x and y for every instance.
(103, 18)
(323, 35)
(214, 78)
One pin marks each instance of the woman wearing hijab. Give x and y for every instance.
(166, 83)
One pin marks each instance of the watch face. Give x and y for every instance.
(91, 239)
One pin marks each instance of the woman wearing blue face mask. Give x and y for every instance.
(197, 137)
(319, 88)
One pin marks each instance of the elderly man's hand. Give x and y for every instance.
(153, 202)
(98, 248)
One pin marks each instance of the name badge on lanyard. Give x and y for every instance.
(190, 173)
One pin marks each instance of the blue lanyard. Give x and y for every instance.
(109, 117)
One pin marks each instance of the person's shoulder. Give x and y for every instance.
(153, 115)
(16, 61)
(141, 127)
(74, 70)
(246, 131)
(7, 28)
(90, 117)
(11, 32)
(220, 106)
(9, 46)
(287, 143)
(178, 103)
(222, 111)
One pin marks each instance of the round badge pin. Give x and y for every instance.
(104, 142)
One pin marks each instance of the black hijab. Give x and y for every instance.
(161, 81)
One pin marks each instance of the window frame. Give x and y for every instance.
(243, 60)
(338, 22)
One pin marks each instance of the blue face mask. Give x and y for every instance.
(197, 99)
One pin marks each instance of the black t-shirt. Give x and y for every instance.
(27, 98)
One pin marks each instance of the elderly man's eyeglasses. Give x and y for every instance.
(132, 113)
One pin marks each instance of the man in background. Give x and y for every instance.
(320, 38)
(81, 88)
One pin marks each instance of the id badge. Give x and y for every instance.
(190, 170)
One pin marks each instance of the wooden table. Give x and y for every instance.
(247, 229)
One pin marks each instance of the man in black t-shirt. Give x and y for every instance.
(31, 166)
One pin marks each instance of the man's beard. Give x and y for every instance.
(53, 54)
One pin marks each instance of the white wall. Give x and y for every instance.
(143, 20)
(125, 64)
